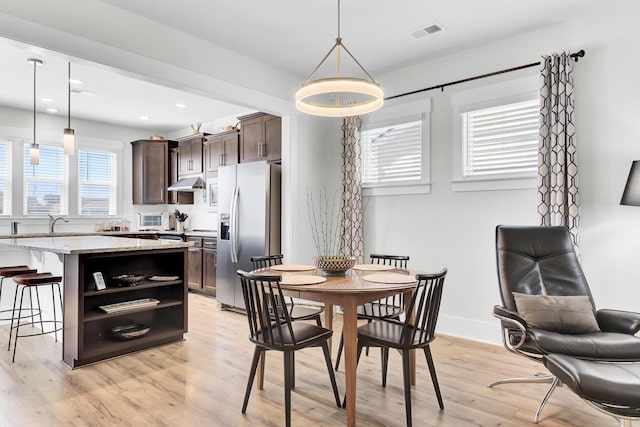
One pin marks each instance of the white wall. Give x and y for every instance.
(456, 229)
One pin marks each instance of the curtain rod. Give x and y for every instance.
(576, 56)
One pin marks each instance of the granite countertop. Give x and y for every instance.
(76, 244)
(201, 233)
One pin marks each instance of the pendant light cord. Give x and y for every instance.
(69, 96)
(35, 64)
(338, 18)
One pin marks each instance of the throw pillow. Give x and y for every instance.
(564, 314)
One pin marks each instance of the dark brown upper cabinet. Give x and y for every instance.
(190, 154)
(221, 149)
(260, 138)
(151, 171)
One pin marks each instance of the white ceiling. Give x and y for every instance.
(292, 35)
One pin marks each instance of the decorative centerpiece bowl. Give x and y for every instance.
(334, 265)
(127, 279)
(129, 332)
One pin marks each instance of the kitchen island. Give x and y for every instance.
(90, 314)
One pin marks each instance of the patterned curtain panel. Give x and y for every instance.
(351, 243)
(558, 198)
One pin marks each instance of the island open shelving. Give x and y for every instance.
(87, 333)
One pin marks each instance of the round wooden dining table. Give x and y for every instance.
(348, 291)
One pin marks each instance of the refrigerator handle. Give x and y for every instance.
(234, 225)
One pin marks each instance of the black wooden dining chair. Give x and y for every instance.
(410, 334)
(387, 308)
(296, 311)
(262, 295)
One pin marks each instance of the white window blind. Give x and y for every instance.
(392, 153)
(501, 140)
(46, 185)
(97, 183)
(5, 178)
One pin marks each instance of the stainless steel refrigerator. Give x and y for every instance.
(249, 223)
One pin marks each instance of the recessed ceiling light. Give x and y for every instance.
(181, 105)
(52, 110)
(144, 117)
(75, 81)
(46, 99)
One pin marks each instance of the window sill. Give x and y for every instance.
(397, 189)
(495, 184)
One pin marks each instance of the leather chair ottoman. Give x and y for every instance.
(611, 387)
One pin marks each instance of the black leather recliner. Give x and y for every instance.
(542, 261)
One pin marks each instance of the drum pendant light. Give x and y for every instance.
(69, 134)
(34, 150)
(339, 96)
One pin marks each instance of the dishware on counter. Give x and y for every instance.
(334, 265)
(130, 331)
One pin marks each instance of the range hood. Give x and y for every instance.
(188, 184)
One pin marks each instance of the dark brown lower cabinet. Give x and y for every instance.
(209, 263)
(202, 264)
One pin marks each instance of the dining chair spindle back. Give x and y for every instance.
(387, 308)
(410, 334)
(296, 311)
(276, 331)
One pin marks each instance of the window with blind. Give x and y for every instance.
(495, 136)
(5, 178)
(392, 153)
(97, 183)
(501, 140)
(46, 185)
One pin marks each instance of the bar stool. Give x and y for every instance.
(8, 272)
(33, 282)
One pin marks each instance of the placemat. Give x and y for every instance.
(293, 267)
(389, 278)
(299, 279)
(373, 267)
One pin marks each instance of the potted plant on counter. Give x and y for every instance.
(181, 217)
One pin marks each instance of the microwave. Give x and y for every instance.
(156, 221)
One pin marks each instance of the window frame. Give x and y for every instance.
(7, 202)
(489, 96)
(64, 181)
(114, 188)
(21, 136)
(396, 112)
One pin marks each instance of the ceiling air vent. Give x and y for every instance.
(426, 31)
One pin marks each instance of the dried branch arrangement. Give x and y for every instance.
(324, 221)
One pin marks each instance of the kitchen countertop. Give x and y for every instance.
(84, 244)
(199, 233)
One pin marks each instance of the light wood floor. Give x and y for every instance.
(201, 381)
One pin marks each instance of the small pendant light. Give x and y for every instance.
(34, 151)
(69, 134)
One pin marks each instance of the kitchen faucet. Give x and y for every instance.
(52, 222)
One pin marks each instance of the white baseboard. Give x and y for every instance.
(477, 330)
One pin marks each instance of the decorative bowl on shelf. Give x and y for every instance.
(334, 265)
(127, 279)
(129, 332)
